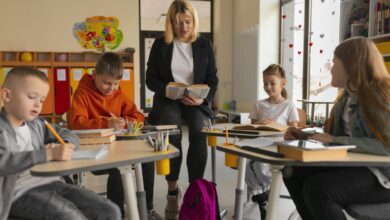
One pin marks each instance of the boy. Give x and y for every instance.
(24, 142)
(99, 95)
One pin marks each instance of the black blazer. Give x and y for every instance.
(159, 73)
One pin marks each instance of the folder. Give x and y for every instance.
(48, 105)
(127, 83)
(74, 79)
(62, 90)
(3, 72)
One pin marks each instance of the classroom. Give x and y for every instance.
(284, 64)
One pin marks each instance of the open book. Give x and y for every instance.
(90, 154)
(310, 150)
(176, 90)
(273, 126)
(94, 132)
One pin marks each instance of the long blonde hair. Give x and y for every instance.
(369, 81)
(180, 6)
(276, 70)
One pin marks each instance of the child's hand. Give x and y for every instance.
(264, 121)
(59, 151)
(293, 133)
(117, 123)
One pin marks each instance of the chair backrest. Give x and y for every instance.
(302, 118)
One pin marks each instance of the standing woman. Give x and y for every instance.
(361, 117)
(185, 57)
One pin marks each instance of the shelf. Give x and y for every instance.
(381, 38)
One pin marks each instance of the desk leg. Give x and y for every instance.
(141, 194)
(238, 204)
(213, 165)
(273, 200)
(128, 187)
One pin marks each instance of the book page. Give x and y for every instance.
(174, 92)
(259, 142)
(198, 92)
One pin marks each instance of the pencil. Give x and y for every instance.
(112, 115)
(51, 129)
(227, 134)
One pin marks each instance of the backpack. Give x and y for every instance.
(200, 202)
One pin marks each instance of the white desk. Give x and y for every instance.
(121, 154)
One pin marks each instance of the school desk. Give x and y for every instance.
(121, 154)
(352, 160)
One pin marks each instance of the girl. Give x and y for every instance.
(360, 117)
(275, 108)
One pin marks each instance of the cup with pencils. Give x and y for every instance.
(231, 160)
(160, 144)
(208, 126)
(134, 127)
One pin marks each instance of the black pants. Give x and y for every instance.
(322, 192)
(173, 113)
(115, 188)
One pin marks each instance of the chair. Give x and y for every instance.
(302, 118)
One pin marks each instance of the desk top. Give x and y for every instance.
(243, 134)
(352, 159)
(315, 102)
(120, 153)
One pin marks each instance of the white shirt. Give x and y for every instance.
(25, 180)
(282, 113)
(182, 64)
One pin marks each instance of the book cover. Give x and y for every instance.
(309, 150)
(273, 126)
(94, 132)
(177, 90)
(97, 140)
(90, 154)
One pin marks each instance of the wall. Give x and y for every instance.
(46, 25)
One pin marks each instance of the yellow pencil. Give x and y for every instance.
(112, 115)
(51, 129)
(227, 134)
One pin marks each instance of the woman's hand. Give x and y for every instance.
(324, 138)
(190, 100)
(294, 133)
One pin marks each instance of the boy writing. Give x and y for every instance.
(24, 142)
(99, 95)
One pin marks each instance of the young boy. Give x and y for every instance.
(99, 95)
(24, 142)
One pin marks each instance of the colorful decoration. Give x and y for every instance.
(98, 32)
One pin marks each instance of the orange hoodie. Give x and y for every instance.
(89, 104)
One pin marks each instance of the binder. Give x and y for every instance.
(127, 83)
(48, 105)
(74, 79)
(3, 72)
(62, 90)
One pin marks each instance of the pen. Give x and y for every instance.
(227, 134)
(51, 129)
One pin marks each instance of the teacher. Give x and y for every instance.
(182, 56)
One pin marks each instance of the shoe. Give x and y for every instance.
(173, 205)
(153, 215)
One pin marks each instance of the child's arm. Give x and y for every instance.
(130, 111)
(79, 118)
(64, 133)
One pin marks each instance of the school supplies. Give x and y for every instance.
(134, 127)
(273, 126)
(208, 125)
(310, 150)
(97, 140)
(90, 154)
(54, 132)
(227, 135)
(147, 128)
(176, 90)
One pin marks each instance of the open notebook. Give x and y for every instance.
(90, 154)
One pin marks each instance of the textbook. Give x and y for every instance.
(147, 128)
(97, 140)
(310, 150)
(176, 90)
(93, 132)
(273, 126)
(91, 154)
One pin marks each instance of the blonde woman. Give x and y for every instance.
(185, 57)
(361, 117)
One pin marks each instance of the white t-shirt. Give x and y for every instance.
(282, 113)
(25, 180)
(182, 64)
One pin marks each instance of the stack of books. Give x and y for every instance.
(95, 136)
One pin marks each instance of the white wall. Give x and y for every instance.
(46, 25)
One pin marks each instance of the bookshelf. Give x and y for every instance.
(64, 70)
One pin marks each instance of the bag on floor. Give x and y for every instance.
(200, 201)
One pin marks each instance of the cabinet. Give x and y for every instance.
(64, 70)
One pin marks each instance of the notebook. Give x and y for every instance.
(90, 154)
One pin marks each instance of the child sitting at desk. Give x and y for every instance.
(24, 142)
(274, 108)
(98, 95)
(361, 117)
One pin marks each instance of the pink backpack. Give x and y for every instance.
(200, 202)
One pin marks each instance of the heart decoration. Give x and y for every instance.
(299, 52)
(299, 26)
(291, 45)
(321, 50)
(284, 16)
(311, 44)
(322, 35)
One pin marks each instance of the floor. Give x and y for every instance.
(226, 179)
